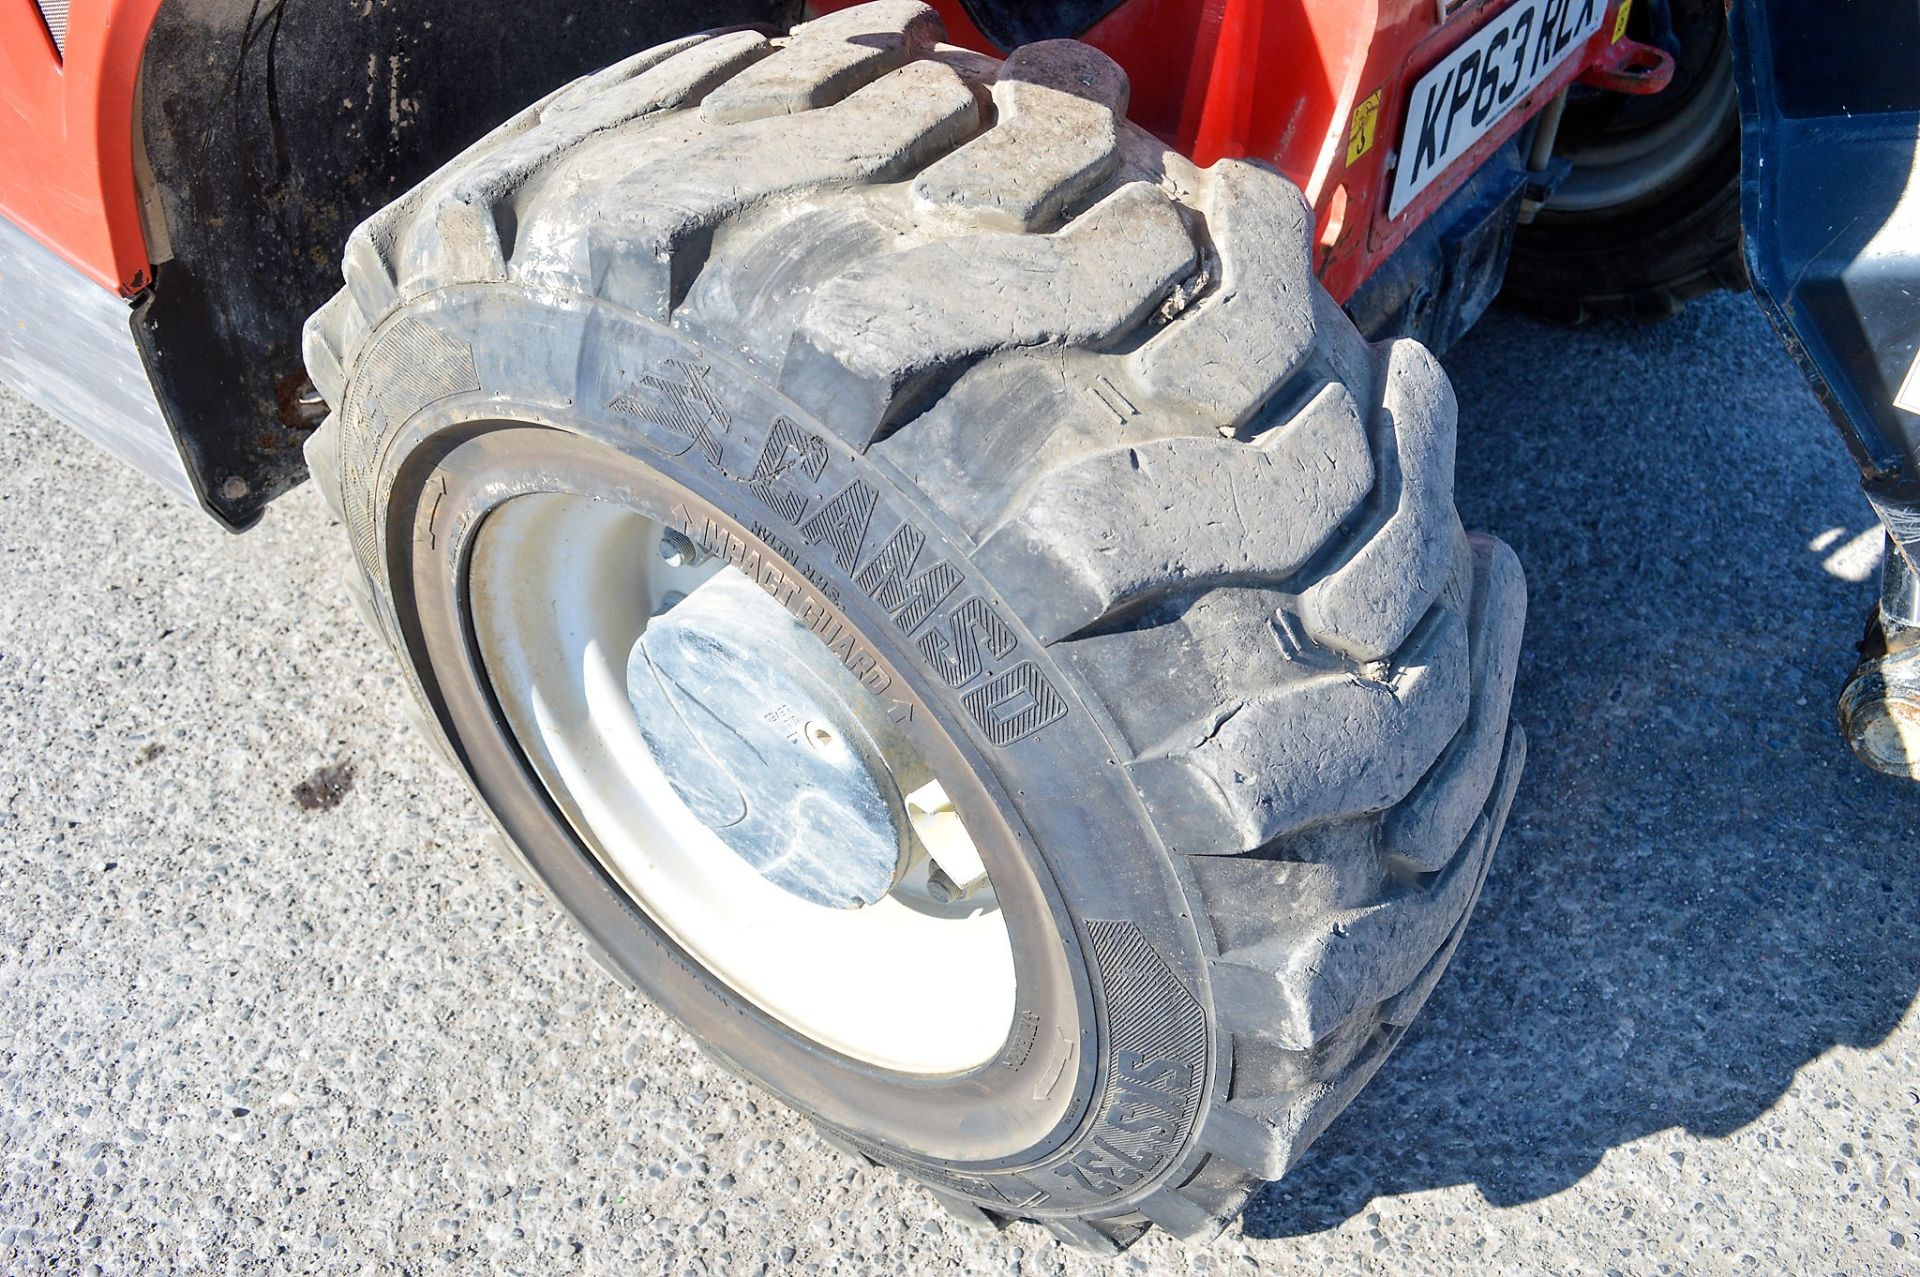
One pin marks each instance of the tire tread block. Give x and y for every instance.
(1268, 1134)
(825, 60)
(1248, 336)
(1057, 137)
(323, 347)
(1336, 744)
(875, 329)
(1095, 1236)
(1236, 511)
(1372, 598)
(468, 234)
(1321, 964)
(588, 92)
(1427, 828)
(879, 133)
(1199, 1210)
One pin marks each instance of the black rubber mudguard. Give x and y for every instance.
(272, 131)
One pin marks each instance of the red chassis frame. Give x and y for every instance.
(1291, 82)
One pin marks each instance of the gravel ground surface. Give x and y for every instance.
(263, 1016)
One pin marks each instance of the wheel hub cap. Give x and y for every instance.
(773, 744)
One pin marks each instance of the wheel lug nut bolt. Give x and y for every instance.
(941, 887)
(678, 549)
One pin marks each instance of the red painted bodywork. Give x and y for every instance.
(66, 132)
(1274, 80)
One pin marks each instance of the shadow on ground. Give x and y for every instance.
(1699, 892)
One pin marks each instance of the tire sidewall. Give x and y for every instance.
(1130, 1044)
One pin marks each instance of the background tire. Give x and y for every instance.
(1060, 434)
(1649, 217)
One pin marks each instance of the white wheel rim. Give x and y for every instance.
(561, 587)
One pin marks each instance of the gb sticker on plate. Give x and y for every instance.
(1462, 98)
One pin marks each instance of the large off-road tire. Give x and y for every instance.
(1055, 442)
(1648, 218)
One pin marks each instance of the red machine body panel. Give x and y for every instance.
(67, 129)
